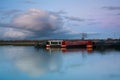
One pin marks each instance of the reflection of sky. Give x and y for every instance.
(28, 63)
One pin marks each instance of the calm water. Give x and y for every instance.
(29, 63)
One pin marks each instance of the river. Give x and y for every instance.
(29, 63)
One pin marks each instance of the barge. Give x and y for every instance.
(69, 43)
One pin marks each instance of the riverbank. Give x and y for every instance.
(96, 43)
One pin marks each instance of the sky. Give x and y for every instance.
(59, 19)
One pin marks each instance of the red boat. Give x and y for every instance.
(69, 43)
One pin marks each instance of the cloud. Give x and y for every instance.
(35, 23)
(38, 21)
(59, 12)
(9, 12)
(112, 7)
(40, 24)
(6, 14)
(118, 14)
(13, 33)
(29, 2)
(74, 18)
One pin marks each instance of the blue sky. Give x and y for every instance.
(51, 19)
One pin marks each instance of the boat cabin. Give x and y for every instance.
(54, 43)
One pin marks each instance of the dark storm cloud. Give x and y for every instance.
(112, 7)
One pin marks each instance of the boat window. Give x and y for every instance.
(59, 42)
(54, 42)
(47, 43)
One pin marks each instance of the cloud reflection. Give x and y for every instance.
(34, 63)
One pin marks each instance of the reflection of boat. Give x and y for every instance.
(66, 50)
(89, 50)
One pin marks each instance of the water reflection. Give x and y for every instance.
(36, 62)
(44, 61)
(75, 63)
